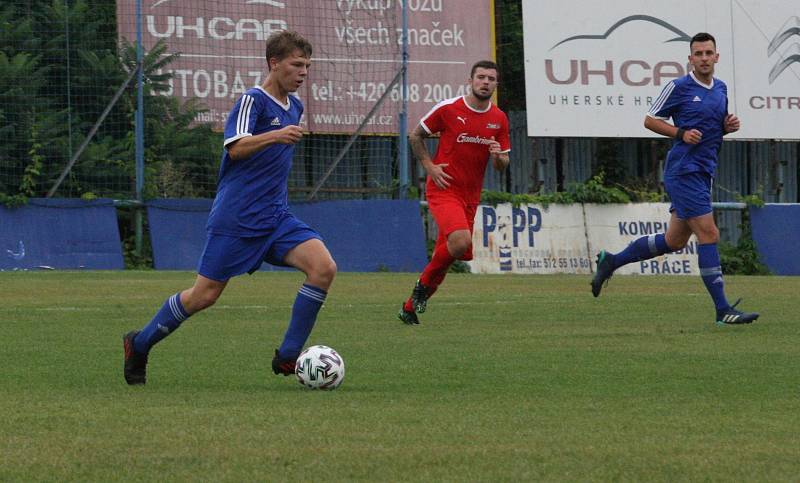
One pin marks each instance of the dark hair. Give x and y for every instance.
(702, 37)
(484, 64)
(281, 45)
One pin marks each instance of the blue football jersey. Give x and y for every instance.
(252, 193)
(693, 105)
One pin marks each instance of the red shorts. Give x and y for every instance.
(452, 213)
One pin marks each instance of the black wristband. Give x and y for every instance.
(679, 134)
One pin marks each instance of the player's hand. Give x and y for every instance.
(692, 136)
(731, 123)
(438, 176)
(494, 147)
(288, 135)
(499, 161)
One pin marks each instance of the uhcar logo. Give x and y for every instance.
(790, 55)
(680, 35)
(629, 70)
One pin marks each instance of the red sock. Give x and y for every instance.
(436, 270)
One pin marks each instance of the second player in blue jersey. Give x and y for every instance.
(698, 106)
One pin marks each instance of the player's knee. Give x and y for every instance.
(708, 235)
(675, 243)
(201, 300)
(325, 271)
(330, 269)
(459, 247)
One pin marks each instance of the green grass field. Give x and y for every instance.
(509, 378)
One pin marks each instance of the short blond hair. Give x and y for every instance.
(281, 45)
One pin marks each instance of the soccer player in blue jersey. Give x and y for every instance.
(698, 106)
(249, 221)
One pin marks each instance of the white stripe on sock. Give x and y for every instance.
(312, 294)
(176, 311)
(651, 244)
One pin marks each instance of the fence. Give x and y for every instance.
(68, 97)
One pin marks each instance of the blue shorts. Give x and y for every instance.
(227, 256)
(690, 194)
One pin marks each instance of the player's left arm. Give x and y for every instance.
(500, 147)
(731, 122)
(500, 159)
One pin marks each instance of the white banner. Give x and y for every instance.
(535, 239)
(613, 227)
(529, 239)
(766, 54)
(595, 71)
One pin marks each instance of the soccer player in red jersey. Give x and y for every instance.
(472, 131)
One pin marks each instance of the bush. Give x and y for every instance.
(592, 191)
(742, 258)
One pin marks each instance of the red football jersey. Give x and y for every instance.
(463, 144)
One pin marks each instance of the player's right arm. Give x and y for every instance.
(240, 142)
(667, 104)
(435, 171)
(247, 146)
(692, 136)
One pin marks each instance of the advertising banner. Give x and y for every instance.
(178, 233)
(60, 234)
(765, 52)
(530, 239)
(535, 239)
(613, 227)
(596, 71)
(775, 230)
(357, 52)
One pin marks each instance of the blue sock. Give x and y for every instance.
(304, 313)
(164, 323)
(643, 248)
(711, 272)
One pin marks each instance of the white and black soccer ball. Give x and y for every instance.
(320, 367)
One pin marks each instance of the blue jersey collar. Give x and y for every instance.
(707, 86)
(285, 107)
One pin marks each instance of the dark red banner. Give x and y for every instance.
(357, 52)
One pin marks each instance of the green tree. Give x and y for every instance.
(510, 54)
(60, 66)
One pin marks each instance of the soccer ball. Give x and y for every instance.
(320, 367)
